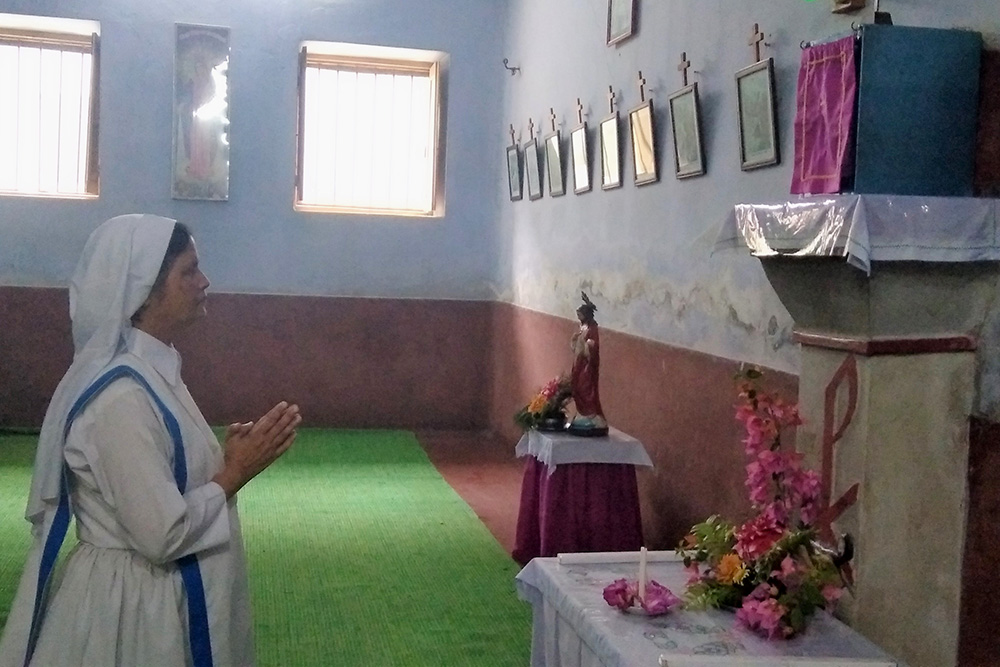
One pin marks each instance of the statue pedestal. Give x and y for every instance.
(887, 386)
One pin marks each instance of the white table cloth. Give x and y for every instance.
(868, 228)
(574, 627)
(555, 448)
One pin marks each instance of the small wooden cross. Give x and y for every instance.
(683, 67)
(579, 111)
(755, 39)
(513, 141)
(552, 117)
(611, 99)
(531, 129)
(642, 89)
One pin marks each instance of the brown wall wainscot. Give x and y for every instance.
(36, 348)
(348, 362)
(391, 363)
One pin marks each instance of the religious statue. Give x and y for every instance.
(586, 346)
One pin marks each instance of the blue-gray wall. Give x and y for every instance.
(645, 253)
(255, 242)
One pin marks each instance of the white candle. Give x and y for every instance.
(642, 573)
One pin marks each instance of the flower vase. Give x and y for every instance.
(552, 422)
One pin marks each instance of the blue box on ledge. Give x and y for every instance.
(918, 103)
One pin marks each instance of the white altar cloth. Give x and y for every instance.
(868, 228)
(574, 627)
(554, 448)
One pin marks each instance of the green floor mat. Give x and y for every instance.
(359, 554)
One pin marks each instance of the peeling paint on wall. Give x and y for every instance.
(715, 317)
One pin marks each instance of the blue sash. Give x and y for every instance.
(201, 645)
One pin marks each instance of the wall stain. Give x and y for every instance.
(728, 317)
(734, 318)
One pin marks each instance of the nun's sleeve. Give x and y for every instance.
(120, 445)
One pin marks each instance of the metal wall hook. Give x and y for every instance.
(512, 70)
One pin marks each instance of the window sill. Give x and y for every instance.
(48, 195)
(380, 212)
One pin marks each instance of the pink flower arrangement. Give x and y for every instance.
(624, 594)
(770, 568)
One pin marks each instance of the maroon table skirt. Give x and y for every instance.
(578, 507)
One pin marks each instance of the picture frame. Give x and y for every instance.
(554, 165)
(532, 169)
(685, 127)
(581, 159)
(621, 20)
(200, 135)
(611, 153)
(643, 132)
(514, 172)
(757, 117)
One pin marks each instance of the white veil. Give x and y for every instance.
(113, 278)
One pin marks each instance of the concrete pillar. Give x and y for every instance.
(887, 386)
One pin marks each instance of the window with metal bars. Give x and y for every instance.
(370, 132)
(48, 112)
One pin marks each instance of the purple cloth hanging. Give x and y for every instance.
(577, 507)
(823, 116)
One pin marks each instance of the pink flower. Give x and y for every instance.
(659, 599)
(763, 591)
(832, 593)
(806, 488)
(620, 594)
(790, 573)
(756, 537)
(758, 483)
(774, 463)
(766, 617)
(550, 388)
(745, 412)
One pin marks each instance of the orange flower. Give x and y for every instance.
(731, 569)
(537, 404)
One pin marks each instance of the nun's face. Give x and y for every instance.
(181, 300)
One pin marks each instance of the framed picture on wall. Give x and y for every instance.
(640, 122)
(758, 117)
(554, 164)
(200, 146)
(514, 172)
(621, 20)
(581, 159)
(532, 170)
(611, 153)
(685, 125)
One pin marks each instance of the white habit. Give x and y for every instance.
(120, 600)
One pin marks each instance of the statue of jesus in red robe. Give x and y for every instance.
(586, 346)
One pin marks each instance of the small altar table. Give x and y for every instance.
(574, 627)
(578, 494)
